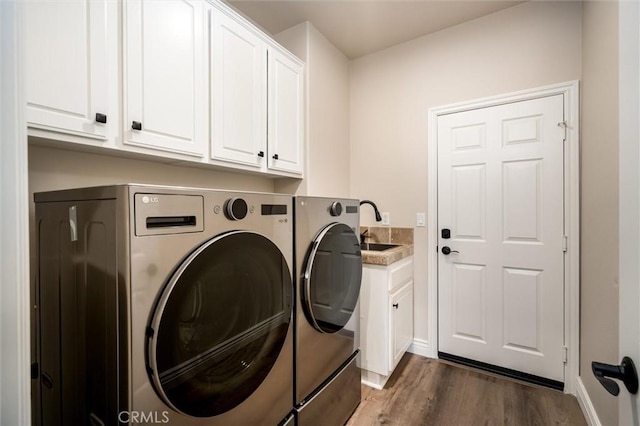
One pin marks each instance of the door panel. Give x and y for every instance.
(500, 191)
(469, 302)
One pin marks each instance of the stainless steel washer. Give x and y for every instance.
(329, 273)
(164, 305)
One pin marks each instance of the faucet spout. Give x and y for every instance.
(363, 235)
(375, 209)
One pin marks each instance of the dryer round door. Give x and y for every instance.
(332, 278)
(220, 324)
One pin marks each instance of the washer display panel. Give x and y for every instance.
(220, 324)
(332, 278)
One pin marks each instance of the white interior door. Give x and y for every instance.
(501, 195)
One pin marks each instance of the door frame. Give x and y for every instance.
(15, 381)
(629, 200)
(570, 91)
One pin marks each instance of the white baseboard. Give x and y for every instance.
(421, 347)
(586, 405)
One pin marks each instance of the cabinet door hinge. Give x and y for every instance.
(563, 126)
(565, 354)
(565, 243)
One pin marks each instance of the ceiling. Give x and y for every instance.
(360, 27)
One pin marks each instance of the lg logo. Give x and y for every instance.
(149, 199)
(142, 417)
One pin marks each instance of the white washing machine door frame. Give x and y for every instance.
(219, 324)
(332, 278)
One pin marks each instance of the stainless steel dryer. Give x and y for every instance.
(329, 272)
(164, 305)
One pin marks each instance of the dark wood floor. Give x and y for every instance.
(431, 392)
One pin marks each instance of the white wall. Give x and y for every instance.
(599, 200)
(328, 154)
(529, 45)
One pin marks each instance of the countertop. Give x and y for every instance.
(387, 257)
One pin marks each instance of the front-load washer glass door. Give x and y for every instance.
(332, 277)
(220, 324)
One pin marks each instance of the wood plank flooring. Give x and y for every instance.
(431, 392)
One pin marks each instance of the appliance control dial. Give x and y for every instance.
(335, 209)
(235, 209)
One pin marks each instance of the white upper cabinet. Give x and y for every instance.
(238, 92)
(286, 118)
(178, 80)
(257, 119)
(71, 69)
(165, 76)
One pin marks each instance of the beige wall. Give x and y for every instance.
(525, 46)
(327, 126)
(599, 210)
(51, 169)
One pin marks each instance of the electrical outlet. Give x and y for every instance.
(420, 219)
(386, 218)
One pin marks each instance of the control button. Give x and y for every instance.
(335, 209)
(216, 209)
(235, 209)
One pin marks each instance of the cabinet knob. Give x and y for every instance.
(101, 118)
(136, 125)
(395, 305)
(275, 156)
(261, 154)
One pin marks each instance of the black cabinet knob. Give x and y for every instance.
(395, 305)
(101, 118)
(261, 154)
(275, 156)
(136, 125)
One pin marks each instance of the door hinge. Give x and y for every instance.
(563, 126)
(565, 243)
(565, 354)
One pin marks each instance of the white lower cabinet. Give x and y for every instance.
(386, 322)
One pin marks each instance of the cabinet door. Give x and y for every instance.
(238, 92)
(286, 118)
(401, 323)
(69, 73)
(165, 71)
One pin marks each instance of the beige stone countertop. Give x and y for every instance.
(387, 257)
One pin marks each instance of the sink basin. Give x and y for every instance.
(377, 246)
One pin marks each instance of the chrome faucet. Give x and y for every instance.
(375, 209)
